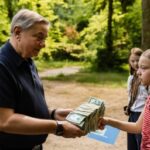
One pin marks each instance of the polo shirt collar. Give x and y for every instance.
(14, 56)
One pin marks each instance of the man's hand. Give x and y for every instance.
(71, 131)
(61, 114)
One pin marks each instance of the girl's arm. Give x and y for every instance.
(122, 125)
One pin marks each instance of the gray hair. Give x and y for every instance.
(26, 18)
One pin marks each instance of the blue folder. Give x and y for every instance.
(108, 135)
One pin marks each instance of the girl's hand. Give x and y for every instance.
(102, 123)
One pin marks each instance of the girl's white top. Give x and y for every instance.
(141, 97)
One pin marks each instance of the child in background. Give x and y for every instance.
(143, 123)
(137, 95)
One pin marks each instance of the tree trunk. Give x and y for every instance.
(146, 24)
(109, 41)
(105, 59)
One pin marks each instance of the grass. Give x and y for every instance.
(112, 79)
(44, 65)
(87, 76)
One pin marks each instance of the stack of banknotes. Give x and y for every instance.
(86, 116)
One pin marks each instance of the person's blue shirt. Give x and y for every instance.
(21, 90)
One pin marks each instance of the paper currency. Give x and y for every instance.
(86, 116)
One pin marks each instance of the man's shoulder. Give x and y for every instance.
(4, 60)
(5, 55)
(6, 64)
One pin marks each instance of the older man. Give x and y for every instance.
(25, 120)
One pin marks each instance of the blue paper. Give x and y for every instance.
(108, 135)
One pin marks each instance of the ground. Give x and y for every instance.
(71, 95)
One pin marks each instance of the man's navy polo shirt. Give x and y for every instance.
(21, 90)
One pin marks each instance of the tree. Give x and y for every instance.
(105, 59)
(145, 24)
(109, 38)
(125, 3)
(11, 7)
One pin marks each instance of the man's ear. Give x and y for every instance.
(17, 32)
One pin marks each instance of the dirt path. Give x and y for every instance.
(70, 95)
(65, 71)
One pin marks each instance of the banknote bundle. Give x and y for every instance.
(86, 116)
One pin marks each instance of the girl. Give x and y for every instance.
(143, 123)
(137, 95)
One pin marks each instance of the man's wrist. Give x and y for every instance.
(59, 129)
(52, 115)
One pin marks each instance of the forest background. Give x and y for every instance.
(100, 32)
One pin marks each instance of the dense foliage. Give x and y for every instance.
(99, 31)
